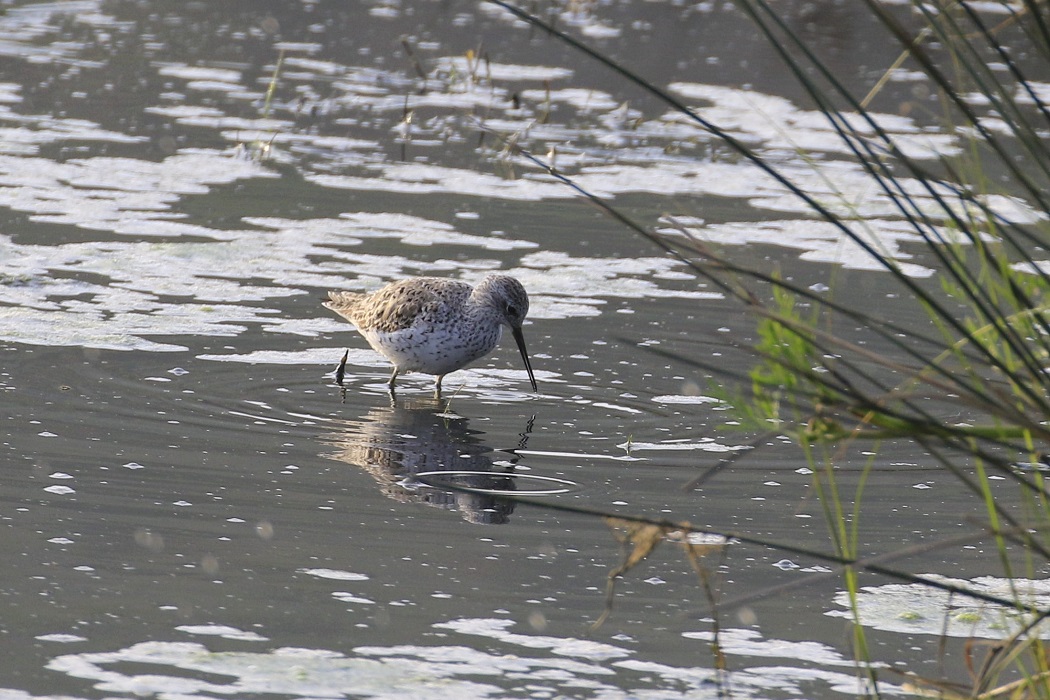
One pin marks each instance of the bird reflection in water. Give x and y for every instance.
(395, 443)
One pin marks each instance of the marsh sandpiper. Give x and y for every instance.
(435, 325)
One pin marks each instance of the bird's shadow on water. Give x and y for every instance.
(412, 446)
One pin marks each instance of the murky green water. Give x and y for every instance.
(190, 508)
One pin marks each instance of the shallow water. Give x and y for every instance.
(191, 508)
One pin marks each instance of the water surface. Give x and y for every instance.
(192, 509)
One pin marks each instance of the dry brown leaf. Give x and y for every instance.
(639, 540)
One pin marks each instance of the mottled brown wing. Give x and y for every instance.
(398, 305)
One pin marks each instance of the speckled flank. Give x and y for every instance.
(435, 325)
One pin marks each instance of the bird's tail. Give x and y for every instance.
(342, 302)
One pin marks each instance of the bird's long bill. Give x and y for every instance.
(520, 340)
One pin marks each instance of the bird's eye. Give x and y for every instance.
(512, 310)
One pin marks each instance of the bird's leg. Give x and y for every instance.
(437, 386)
(340, 371)
(393, 378)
